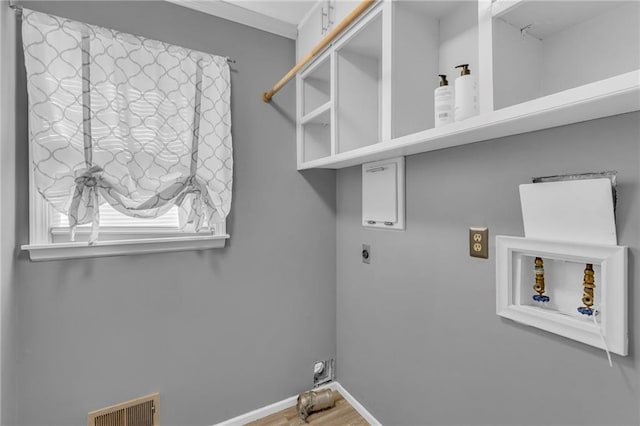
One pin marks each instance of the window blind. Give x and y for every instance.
(110, 217)
(142, 141)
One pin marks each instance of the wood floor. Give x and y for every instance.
(343, 414)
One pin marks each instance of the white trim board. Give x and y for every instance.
(73, 250)
(241, 15)
(355, 404)
(291, 401)
(308, 15)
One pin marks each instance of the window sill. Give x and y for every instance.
(75, 250)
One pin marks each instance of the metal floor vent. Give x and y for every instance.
(137, 412)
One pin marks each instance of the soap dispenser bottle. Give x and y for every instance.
(443, 99)
(466, 94)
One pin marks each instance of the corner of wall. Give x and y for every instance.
(7, 187)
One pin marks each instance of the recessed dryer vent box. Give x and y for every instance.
(383, 194)
(567, 275)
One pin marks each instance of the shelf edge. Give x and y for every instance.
(316, 112)
(502, 7)
(613, 96)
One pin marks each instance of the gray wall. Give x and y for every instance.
(418, 339)
(221, 332)
(7, 191)
(217, 333)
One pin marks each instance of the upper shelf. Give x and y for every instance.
(538, 65)
(616, 95)
(552, 17)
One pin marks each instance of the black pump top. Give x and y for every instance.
(443, 80)
(464, 70)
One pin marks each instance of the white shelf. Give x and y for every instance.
(316, 113)
(358, 82)
(316, 135)
(500, 7)
(539, 49)
(577, 60)
(612, 96)
(315, 82)
(553, 17)
(427, 39)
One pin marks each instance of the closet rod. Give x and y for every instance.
(364, 5)
(18, 9)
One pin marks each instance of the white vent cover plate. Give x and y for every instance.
(383, 194)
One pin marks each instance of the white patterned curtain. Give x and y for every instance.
(137, 123)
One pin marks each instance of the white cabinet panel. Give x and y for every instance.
(324, 16)
(310, 31)
(379, 198)
(341, 8)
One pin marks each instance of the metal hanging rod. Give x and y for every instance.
(359, 10)
(18, 9)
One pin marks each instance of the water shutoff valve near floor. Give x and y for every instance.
(323, 372)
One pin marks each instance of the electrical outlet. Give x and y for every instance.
(366, 253)
(479, 242)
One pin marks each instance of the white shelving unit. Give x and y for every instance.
(315, 108)
(538, 51)
(316, 87)
(539, 65)
(358, 96)
(427, 38)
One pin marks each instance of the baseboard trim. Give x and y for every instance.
(291, 401)
(355, 404)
